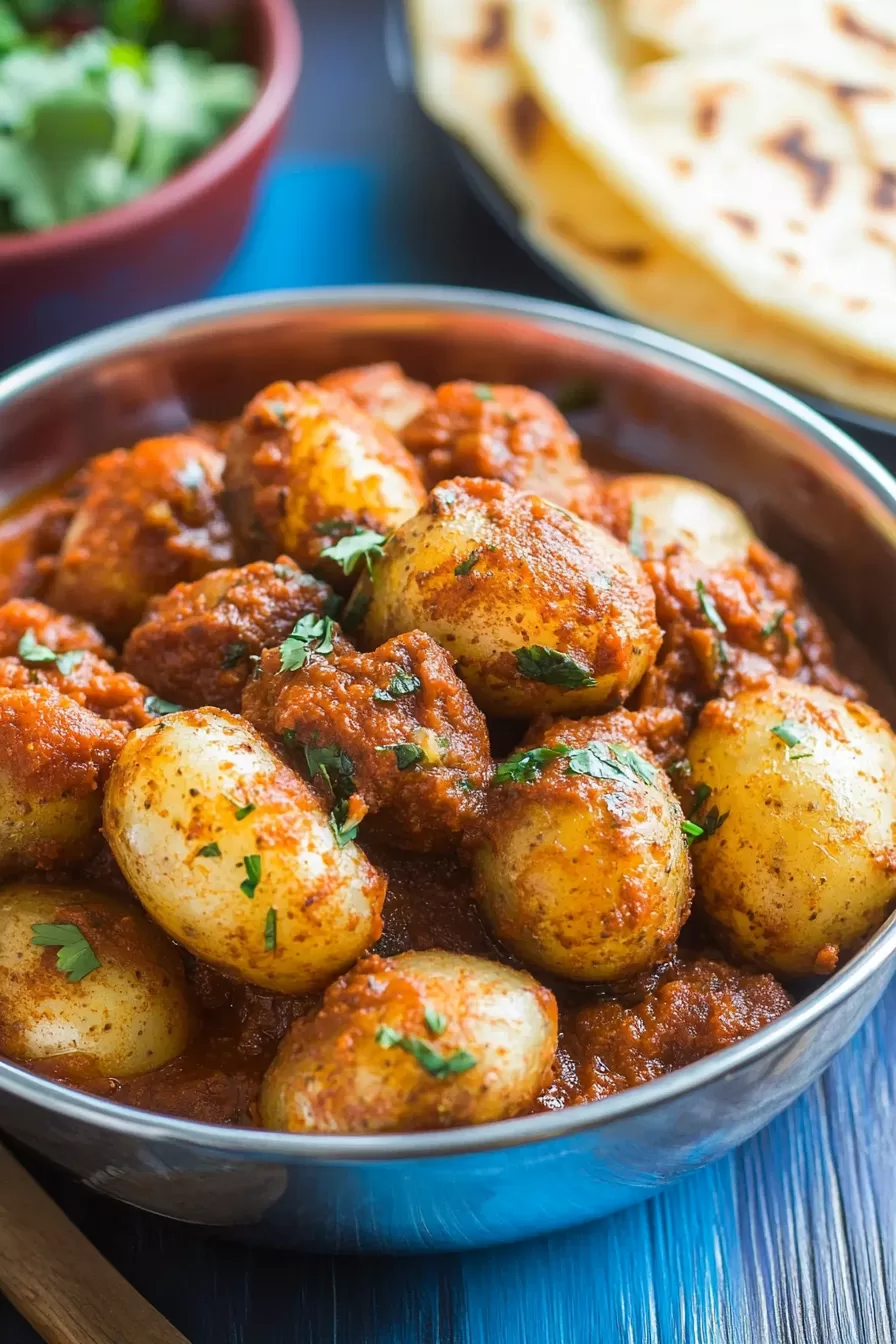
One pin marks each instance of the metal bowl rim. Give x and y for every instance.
(613, 332)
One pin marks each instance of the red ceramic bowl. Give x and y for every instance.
(164, 247)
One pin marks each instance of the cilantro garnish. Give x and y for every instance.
(401, 684)
(709, 608)
(310, 634)
(613, 761)
(362, 544)
(440, 1066)
(335, 766)
(75, 958)
(436, 1022)
(466, 565)
(252, 865)
(772, 626)
(343, 828)
(192, 476)
(483, 392)
(210, 851)
(538, 663)
(34, 654)
(792, 735)
(356, 608)
(691, 831)
(522, 767)
(270, 930)
(233, 653)
(407, 754)
(154, 704)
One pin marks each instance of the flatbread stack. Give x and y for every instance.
(724, 170)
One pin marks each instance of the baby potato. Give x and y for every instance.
(55, 758)
(233, 855)
(652, 513)
(148, 518)
(383, 391)
(425, 1040)
(542, 611)
(103, 990)
(302, 458)
(196, 644)
(583, 868)
(794, 789)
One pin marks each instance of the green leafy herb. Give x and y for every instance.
(407, 754)
(483, 393)
(773, 625)
(792, 735)
(210, 851)
(636, 532)
(682, 767)
(709, 608)
(522, 767)
(75, 958)
(538, 663)
(356, 608)
(436, 1022)
(348, 552)
(252, 865)
(233, 653)
(342, 827)
(466, 565)
(691, 830)
(270, 930)
(577, 394)
(192, 476)
(440, 1066)
(242, 812)
(154, 704)
(286, 572)
(335, 766)
(710, 822)
(610, 761)
(279, 410)
(34, 654)
(401, 684)
(701, 793)
(99, 120)
(310, 634)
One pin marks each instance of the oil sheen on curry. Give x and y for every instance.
(372, 763)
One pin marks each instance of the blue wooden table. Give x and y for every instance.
(791, 1240)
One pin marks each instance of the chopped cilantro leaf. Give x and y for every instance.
(286, 572)
(210, 851)
(310, 634)
(279, 410)
(407, 754)
(610, 761)
(75, 958)
(772, 626)
(192, 476)
(334, 765)
(355, 610)
(347, 552)
(343, 828)
(33, 654)
(538, 663)
(525, 766)
(436, 1022)
(466, 565)
(483, 392)
(401, 684)
(691, 831)
(790, 733)
(440, 1066)
(154, 704)
(709, 608)
(252, 865)
(701, 794)
(270, 930)
(242, 812)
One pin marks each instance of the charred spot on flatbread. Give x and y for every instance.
(745, 224)
(884, 195)
(852, 26)
(524, 121)
(494, 29)
(819, 172)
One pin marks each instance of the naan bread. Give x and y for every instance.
(773, 164)
(470, 83)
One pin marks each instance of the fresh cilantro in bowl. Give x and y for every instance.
(93, 117)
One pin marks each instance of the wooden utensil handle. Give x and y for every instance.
(59, 1281)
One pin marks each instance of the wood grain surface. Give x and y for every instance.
(792, 1239)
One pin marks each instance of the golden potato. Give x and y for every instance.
(306, 466)
(651, 513)
(234, 855)
(795, 789)
(87, 980)
(583, 868)
(55, 757)
(148, 518)
(426, 1040)
(542, 611)
(383, 391)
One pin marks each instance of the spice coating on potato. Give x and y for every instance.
(302, 457)
(121, 1006)
(501, 433)
(542, 611)
(794, 787)
(55, 758)
(417, 744)
(234, 856)
(196, 644)
(422, 1041)
(583, 870)
(383, 391)
(149, 518)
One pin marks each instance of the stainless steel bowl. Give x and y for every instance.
(812, 493)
